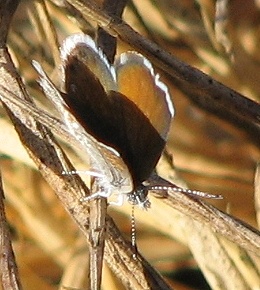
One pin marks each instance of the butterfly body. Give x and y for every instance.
(118, 114)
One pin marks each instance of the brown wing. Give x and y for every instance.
(138, 141)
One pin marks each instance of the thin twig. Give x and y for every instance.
(9, 275)
(98, 206)
(97, 234)
(44, 28)
(257, 194)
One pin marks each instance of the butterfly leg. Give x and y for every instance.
(97, 194)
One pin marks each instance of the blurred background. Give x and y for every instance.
(221, 38)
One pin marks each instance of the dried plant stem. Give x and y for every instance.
(233, 229)
(97, 233)
(8, 270)
(98, 206)
(257, 194)
(44, 28)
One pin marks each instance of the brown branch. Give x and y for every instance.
(226, 225)
(8, 269)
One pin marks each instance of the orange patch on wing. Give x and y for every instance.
(137, 82)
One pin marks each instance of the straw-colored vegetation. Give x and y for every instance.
(213, 147)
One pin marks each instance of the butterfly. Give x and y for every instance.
(124, 106)
(119, 115)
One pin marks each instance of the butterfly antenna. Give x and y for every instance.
(195, 193)
(133, 233)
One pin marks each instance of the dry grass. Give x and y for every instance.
(214, 148)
